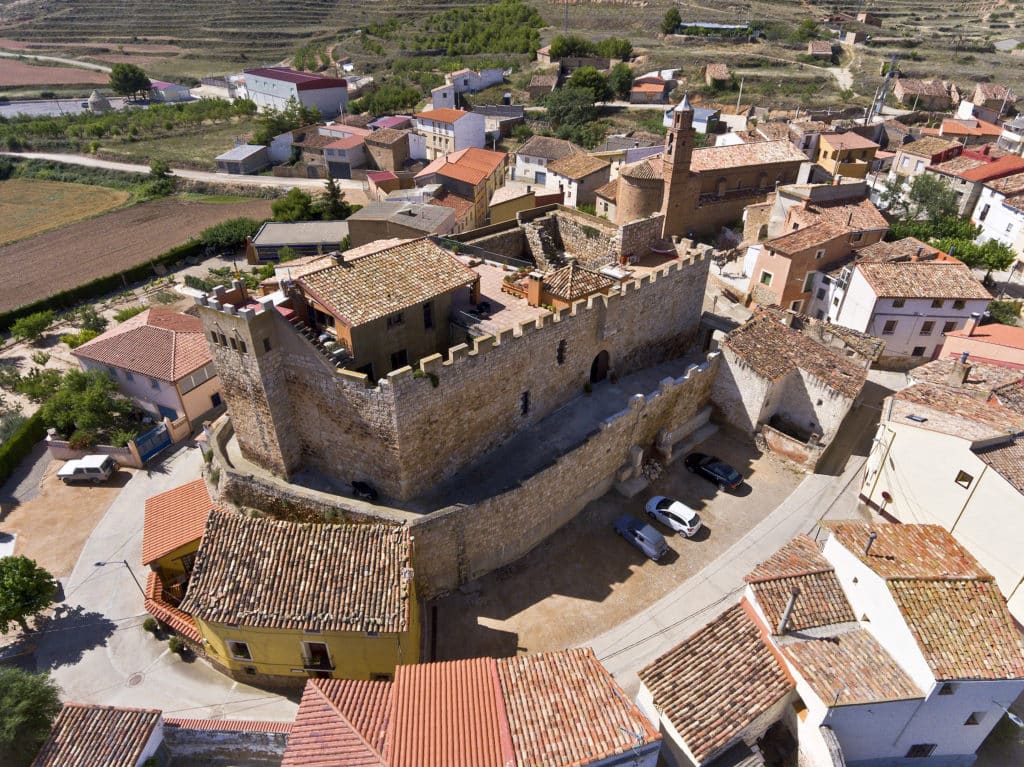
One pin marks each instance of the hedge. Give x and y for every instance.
(101, 286)
(20, 444)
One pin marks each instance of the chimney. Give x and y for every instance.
(535, 280)
(781, 628)
(871, 539)
(972, 323)
(837, 180)
(959, 372)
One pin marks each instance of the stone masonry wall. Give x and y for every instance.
(637, 236)
(225, 746)
(511, 244)
(592, 240)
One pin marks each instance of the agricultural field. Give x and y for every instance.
(195, 149)
(40, 266)
(30, 206)
(16, 74)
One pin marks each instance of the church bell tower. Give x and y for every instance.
(679, 199)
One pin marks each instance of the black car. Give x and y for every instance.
(364, 490)
(714, 470)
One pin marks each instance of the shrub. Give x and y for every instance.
(207, 456)
(215, 475)
(165, 297)
(149, 624)
(20, 444)
(41, 358)
(229, 234)
(74, 340)
(198, 283)
(32, 327)
(176, 645)
(128, 312)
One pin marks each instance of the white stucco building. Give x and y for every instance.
(907, 303)
(1000, 212)
(869, 651)
(272, 87)
(448, 130)
(533, 158)
(577, 177)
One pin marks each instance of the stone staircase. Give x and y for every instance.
(335, 354)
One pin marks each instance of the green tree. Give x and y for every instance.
(571, 106)
(589, 77)
(128, 80)
(806, 30)
(87, 318)
(670, 23)
(930, 197)
(563, 46)
(1003, 312)
(614, 48)
(29, 703)
(297, 205)
(274, 122)
(230, 234)
(287, 253)
(25, 590)
(620, 80)
(86, 406)
(32, 327)
(332, 205)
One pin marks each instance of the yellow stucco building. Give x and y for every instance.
(279, 601)
(846, 154)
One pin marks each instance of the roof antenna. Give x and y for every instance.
(871, 539)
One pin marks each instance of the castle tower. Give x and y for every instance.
(679, 200)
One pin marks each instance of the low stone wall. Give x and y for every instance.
(805, 455)
(61, 450)
(226, 746)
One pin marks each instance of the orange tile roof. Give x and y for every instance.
(850, 668)
(801, 556)
(349, 142)
(156, 343)
(954, 127)
(816, 235)
(549, 148)
(323, 736)
(447, 715)
(227, 725)
(315, 577)
(442, 115)
(923, 279)
(365, 704)
(908, 551)
(848, 140)
(578, 166)
(564, 708)
(1007, 459)
(715, 683)
(167, 613)
(710, 159)
(90, 736)
(951, 411)
(852, 214)
(929, 146)
(472, 165)
(573, 282)
(175, 518)
(460, 205)
(648, 87)
(608, 191)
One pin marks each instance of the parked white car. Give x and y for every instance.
(674, 514)
(91, 468)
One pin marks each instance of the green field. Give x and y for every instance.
(195, 149)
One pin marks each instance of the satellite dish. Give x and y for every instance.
(1015, 719)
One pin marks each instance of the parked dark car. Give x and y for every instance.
(642, 535)
(364, 490)
(714, 470)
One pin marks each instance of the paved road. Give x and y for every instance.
(54, 107)
(56, 60)
(95, 647)
(195, 175)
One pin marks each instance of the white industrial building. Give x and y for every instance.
(272, 87)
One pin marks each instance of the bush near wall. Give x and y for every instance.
(20, 444)
(101, 286)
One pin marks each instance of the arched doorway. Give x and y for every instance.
(599, 367)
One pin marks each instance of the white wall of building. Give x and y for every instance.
(1001, 222)
(271, 93)
(527, 168)
(147, 393)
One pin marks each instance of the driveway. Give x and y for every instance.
(95, 646)
(585, 579)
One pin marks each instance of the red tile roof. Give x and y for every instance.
(165, 612)
(349, 142)
(442, 115)
(303, 81)
(715, 683)
(156, 343)
(323, 736)
(578, 166)
(710, 159)
(97, 736)
(999, 335)
(952, 411)
(365, 704)
(1007, 460)
(801, 556)
(923, 279)
(175, 518)
(908, 551)
(227, 725)
(848, 140)
(472, 165)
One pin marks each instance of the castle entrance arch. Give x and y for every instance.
(599, 367)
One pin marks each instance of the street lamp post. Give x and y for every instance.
(128, 568)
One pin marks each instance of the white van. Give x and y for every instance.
(91, 468)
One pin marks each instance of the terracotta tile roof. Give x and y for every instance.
(982, 379)
(544, 693)
(929, 146)
(993, 92)
(801, 556)
(817, 235)
(387, 281)
(774, 350)
(958, 166)
(1007, 459)
(323, 736)
(1008, 185)
(848, 140)
(907, 249)
(349, 142)
(543, 81)
(645, 170)
(471, 165)
(227, 725)
(717, 72)
(175, 518)
(950, 411)
(850, 668)
(923, 87)
(578, 166)
(448, 714)
(609, 191)
(648, 87)
(97, 736)
(908, 551)
(573, 282)
(1010, 396)
(962, 627)
(365, 704)
(773, 131)
(314, 141)
(442, 115)
(386, 136)
(715, 683)
(819, 47)
(156, 343)
(923, 279)
(460, 205)
(710, 159)
(954, 127)
(320, 577)
(160, 609)
(1000, 335)
(855, 215)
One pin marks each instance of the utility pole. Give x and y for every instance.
(740, 96)
(876, 106)
(566, 23)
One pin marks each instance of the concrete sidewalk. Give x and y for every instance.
(95, 647)
(693, 604)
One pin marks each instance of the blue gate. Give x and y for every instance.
(152, 442)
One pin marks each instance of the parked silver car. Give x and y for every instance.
(642, 535)
(91, 468)
(674, 514)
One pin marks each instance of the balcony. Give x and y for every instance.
(317, 663)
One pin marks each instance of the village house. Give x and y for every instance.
(994, 99)
(534, 156)
(1012, 136)
(541, 85)
(273, 87)
(648, 90)
(276, 602)
(470, 174)
(463, 208)
(160, 361)
(932, 95)
(501, 119)
(950, 451)
(554, 708)
(444, 131)
(965, 131)
(407, 220)
(464, 81)
(967, 174)
(243, 159)
(912, 159)
(820, 49)
(561, 287)
(388, 148)
(805, 135)
(1000, 211)
(867, 651)
(717, 75)
(845, 154)
(577, 177)
(790, 387)
(993, 343)
(160, 90)
(904, 293)
(305, 238)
